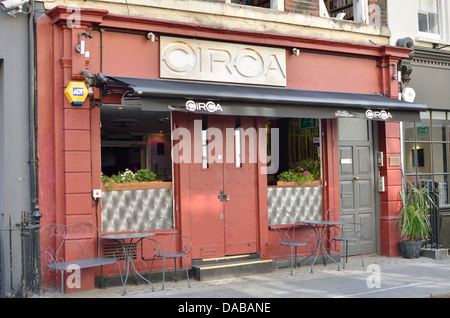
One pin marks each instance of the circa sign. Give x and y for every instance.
(222, 62)
(208, 106)
(374, 114)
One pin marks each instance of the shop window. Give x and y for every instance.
(428, 16)
(136, 166)
(299, 149)
(426, 150)
(132, 139)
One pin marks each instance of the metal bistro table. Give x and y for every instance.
(128, 242)
(321, 229)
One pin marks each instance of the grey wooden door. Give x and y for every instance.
(356, 180)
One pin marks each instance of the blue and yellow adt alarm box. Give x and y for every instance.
(76, 93)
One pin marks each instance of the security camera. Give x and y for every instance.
(12, 4)
(405, 42)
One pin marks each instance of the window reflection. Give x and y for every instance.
(442, 184)
(423, 127)
(440, 158)
(408, 131)
(426, 149)
(438, 131)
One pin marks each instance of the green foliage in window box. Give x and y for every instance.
(304, 171)
(142, 175)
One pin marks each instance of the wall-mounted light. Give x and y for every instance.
(82, 44)
(151, 36)
(295, 51)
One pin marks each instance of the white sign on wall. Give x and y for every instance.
(222, 62)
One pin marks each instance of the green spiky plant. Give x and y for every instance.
(414, 222)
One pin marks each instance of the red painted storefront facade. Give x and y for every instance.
(69, 137)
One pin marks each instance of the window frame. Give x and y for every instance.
(360, 11)
(274, 5)
(414, 174)
(427, 35)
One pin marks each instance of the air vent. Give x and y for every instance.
(115, 250)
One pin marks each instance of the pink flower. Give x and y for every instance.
(305, 173)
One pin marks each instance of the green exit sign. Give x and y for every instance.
(308, 123)
(422, 130)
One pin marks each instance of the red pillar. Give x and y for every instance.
(69, 149)
(390, 145)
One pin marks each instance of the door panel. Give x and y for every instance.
(226, 227)
(368, 242)
(240, 183)
(356, 179)
(364, 193)
(206, 209)
(346, 190)
(363, 161)
(346, 161)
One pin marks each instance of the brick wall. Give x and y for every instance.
(308, 7)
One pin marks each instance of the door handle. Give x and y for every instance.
(223, 196)
(356, 178)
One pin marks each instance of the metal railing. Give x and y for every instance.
(20, 268)
(435, 218)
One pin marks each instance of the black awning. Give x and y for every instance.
(265, 101)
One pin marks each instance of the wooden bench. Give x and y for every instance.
(77, 240)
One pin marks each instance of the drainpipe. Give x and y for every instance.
(33, 109)
(33, 148)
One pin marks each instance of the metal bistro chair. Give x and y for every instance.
(285, 229)
(348, 232)
(167, 247)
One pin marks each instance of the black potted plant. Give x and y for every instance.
(414, 222)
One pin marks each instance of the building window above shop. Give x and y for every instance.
(428, 16)
(270, 4)
(255, 3)
(426, 154)
(341, 9)
(351, 10)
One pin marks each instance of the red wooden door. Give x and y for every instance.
(223, 224)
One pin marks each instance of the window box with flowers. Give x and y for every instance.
(142, 179)
(305, 174)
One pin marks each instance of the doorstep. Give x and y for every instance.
(233, 266)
